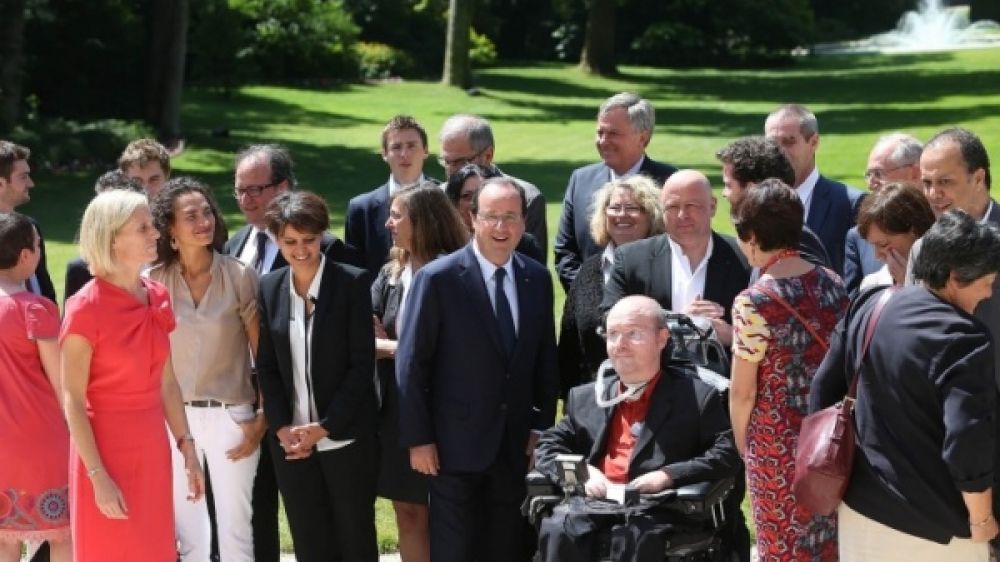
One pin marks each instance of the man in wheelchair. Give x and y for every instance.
(652, 428)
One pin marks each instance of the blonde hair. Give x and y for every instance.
(102, 221)
(647, 196)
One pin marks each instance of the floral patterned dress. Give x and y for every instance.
(765, 332)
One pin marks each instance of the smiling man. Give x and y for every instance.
(476, 366)
(404, 149)
(624, 127)
(15, 190)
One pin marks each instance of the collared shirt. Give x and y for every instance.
(686, 283)
(805, 191)
(300, 339)
(624, 427)
(489, 272)
(209, 347)
(989, 209)
(249, 253)
(395, 186)
(630, 172)
(608, 261)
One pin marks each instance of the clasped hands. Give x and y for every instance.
(649, 483)
(298, 440)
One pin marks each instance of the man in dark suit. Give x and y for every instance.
(404, 149)
(684, 434)
(748, 161)
(468, 139)
(831, 207)
(15, 190)
(624, 127)
(690, 268)
(476, 366)
(894, 158)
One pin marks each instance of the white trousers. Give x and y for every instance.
(864, 540)
(215, 433)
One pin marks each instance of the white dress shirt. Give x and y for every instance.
(489, 273)
(805, 191)
(630, 172)
(607, 261)
(686, 283)
(249, 253)
(300, 340)
(395, 186)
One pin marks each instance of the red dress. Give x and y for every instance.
(765, 332)
(125, 406)
(34, 441)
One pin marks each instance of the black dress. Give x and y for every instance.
(396, 480)
(581, 350)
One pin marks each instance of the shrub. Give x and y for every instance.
(482, 51)
(377, 61)
(61, 144)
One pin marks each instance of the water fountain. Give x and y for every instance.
(932, 27)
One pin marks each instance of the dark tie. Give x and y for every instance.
(258, 262)
(505, 320)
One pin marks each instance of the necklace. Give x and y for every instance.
(786, 253)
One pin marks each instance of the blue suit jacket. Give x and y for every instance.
(457, 388)
(859, 260)
(573, 241)
(832, 212)
(364, 228)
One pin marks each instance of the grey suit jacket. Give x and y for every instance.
(988, 310)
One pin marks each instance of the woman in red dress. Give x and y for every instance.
(33, 437)
(775, 357)
(119, 387)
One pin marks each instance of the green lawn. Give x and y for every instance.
(543, 117)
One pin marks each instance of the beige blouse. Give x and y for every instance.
(209, 348)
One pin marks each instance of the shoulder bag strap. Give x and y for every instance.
(869, 332)
(777, 298)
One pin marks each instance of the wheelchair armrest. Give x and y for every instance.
(539, 484)
(700, 499)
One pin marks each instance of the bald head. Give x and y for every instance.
(688, 208)
(637, 333)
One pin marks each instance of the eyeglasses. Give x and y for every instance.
(499, 220)
(253, 190)
(630, 210)
(459, 162)
(879, 173)
(634, 336)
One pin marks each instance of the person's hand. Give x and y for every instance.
(985, 532)
(897, 266)
(253, 432)
(108, 497)
(529, 449)
(195, 476)
(385, 348)
(380, 332)
(652, 482)
(424, 459)
(708, 309)
(306, 438)
(289, 444)
(597, 484)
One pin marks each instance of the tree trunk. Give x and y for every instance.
(598, 55)
(456, 49)
(168, 26)
(11, 63)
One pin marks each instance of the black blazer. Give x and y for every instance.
(643, 268)
(925, 410)
(77, 275)
(686, 431)
(457, 387)
(573, 241)
(331, 246)
(45, 285)
(832, 212)
(343, 352)
(581, 350)
(364, 228)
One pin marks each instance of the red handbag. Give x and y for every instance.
(825, 453)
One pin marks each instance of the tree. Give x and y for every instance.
(598, 55)
(456, 49)
(168, 25)
(11, 62)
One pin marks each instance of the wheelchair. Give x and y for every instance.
(696, 512)
(694, 340)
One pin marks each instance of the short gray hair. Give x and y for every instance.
(958, 245)
(906, 148)
(640, 111)
(473, 127)
(808, 125)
